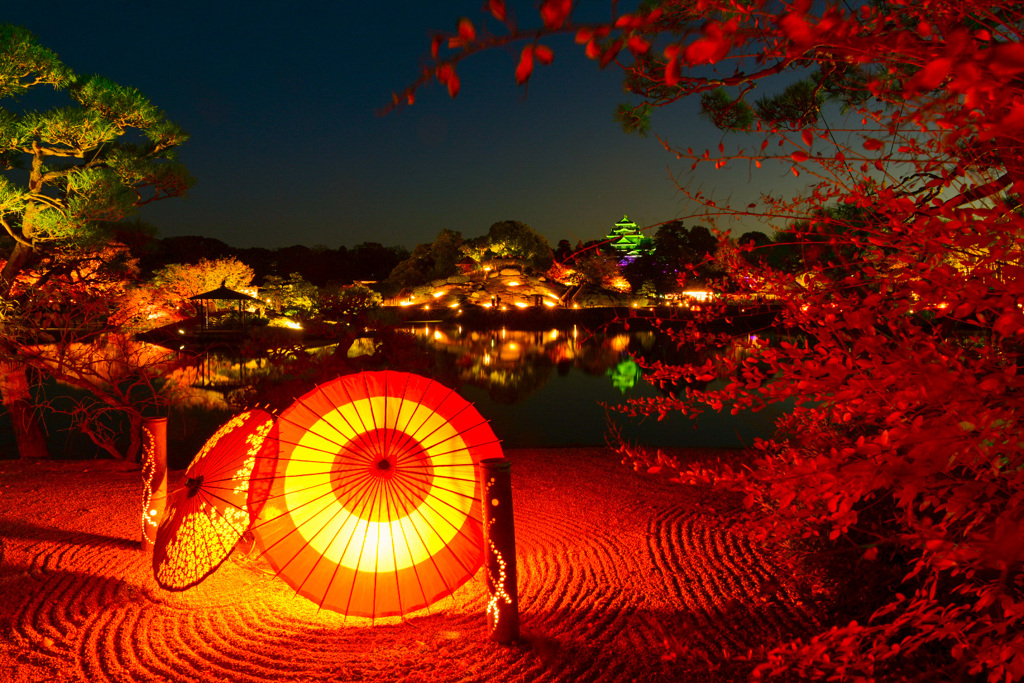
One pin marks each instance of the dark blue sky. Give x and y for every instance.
(280, 99)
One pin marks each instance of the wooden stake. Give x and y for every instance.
(499, 549)
(154, 475)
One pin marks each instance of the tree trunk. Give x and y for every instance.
(18, 401)
(14, 389)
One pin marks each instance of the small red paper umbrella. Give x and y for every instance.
(373, 508)
(210, 511)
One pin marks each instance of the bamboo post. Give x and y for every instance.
(499, 549)
(154, 475)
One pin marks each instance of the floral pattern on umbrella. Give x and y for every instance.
(209, 512)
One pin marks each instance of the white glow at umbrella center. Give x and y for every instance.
(411, 535)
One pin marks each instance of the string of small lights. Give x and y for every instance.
(149, 513)
(499, 594)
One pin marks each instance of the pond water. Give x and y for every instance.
(548, 388)
(554, 388)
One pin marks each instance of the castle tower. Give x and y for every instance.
(626, 238)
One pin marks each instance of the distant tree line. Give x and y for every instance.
(319, 265)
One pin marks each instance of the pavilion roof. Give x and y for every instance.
(223, 293)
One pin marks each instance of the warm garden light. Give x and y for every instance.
(372, 508)
(520, 304)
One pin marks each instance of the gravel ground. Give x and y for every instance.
(622, 577)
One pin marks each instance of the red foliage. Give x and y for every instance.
(900, 309)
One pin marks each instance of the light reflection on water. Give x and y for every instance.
(546, 388)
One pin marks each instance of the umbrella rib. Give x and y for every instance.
(376, 567)
(209, 496)
(225, 548)
(436, 533)
(355, 573)
(461, 530)
(317, 417)
(447, 418)
(300, 490)
(297, 528)
(409, 433)
(343, 445)
(400, 437)
(331, 401)
(346, 438)
(430, 556)
(430, 454)
(348, 479)
(379, 433)
(395, 495)
(405, 434)
(424, 490)
(350, 458)
(459, 434)
(351, 400)
(321, 555)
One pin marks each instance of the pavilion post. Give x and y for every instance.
(154, 475)
(499, 549)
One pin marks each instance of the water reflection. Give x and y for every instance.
(513, 364)
(550, 388)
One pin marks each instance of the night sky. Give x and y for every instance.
(280, 100)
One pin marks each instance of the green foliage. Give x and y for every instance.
(725, 111)
(290, 296)
(513, 239)
(26, 64)
(634, 119)
(413, 271)
(68, 174)
(94, 160)
(796, 107)
(445, 252)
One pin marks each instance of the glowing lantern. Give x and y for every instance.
(210, 511)
(373, 506)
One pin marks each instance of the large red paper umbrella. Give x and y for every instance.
(209, 512)
(373, 507)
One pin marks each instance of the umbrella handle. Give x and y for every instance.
(499, 549)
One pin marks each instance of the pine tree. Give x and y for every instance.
(69, 174)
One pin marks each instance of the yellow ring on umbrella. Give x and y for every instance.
(320, 525)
